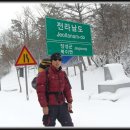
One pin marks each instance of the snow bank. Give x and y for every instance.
(116, 70)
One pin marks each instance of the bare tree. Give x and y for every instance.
(9, 49)
(79, 12)
(51, 10)
(110, 39)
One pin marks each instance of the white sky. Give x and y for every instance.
(90, 108)
(10, 10)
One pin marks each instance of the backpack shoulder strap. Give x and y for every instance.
(66, 77)
(46, 70)
(47, 83)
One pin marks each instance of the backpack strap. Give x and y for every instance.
(67, 80)
(47, 86)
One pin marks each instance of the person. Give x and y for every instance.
(56, 99)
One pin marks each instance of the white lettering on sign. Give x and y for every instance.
(62, 51)
(74, 28)
(70, 46)
(80, 49)
(60, 26)
(66, 49)
(70, 36)
(67, 26)
(80, 29)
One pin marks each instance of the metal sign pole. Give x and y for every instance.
(0, 84)
(25, 58)
(81, 75)
(26, 82)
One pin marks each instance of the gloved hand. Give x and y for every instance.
(46, 120)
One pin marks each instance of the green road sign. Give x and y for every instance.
(68, 38)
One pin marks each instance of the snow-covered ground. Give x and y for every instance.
(90, 108)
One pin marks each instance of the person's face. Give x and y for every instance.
(56, 63)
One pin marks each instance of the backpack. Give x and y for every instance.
(44, 65)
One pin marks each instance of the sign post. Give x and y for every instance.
(68, 38)
(25, 58)
(0, 83)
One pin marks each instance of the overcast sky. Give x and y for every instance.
(10, 10)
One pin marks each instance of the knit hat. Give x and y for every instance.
(56, 56)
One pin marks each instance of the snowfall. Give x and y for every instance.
(90, 108)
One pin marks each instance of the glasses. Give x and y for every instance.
(55, 59)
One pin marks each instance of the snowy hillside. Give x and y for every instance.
(90, 108)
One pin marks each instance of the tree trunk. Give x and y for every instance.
(0, 84)
(89, 61)
(94, 62)
(82, 60)
(67, 71)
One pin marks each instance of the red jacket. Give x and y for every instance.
(57, 81)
